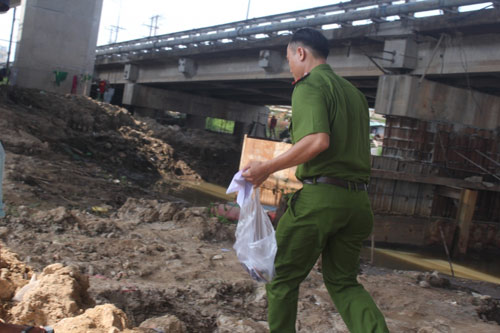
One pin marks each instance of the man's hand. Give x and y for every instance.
(256, 172)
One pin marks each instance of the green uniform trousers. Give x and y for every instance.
(331, 221)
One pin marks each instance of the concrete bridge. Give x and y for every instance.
(232, 70)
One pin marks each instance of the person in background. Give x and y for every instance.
(108, 94)
(331, 215)
(101, 89)
(272, 127)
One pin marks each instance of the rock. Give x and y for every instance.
(61, 292)
(100, 319)
(3, 231)
(7, 288)
(12, 272)
(260, 297)
(175, 128)
(166, 211)
(435, 328)
(168, 323)
(147, 211)
(433, 279)
(58, 217)
(213, 230)
(199, 211)
(424, 284)
(227, 324)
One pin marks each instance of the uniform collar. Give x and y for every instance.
(302, 78)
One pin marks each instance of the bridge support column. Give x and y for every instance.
(441, 131)
(240, 129)
(56, 48)
(197, 107)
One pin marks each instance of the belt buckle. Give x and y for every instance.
(309, 181)
(357, 186)
(354, 185)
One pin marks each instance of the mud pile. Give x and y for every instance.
(69, 150)
(101, 249)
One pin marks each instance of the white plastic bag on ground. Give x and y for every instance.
(255, 243)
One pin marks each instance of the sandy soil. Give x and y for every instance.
(91, 216)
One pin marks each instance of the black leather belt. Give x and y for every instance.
(337, 182)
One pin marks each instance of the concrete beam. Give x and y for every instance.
(455, 55)
(155, 98)
(346, 61)
(459, 54)
(406, 96)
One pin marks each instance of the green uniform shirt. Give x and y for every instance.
(323, 102)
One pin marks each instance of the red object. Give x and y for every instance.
(232, 213)
(102, 86)
(74, 85)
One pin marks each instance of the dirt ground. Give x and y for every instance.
(93, 240)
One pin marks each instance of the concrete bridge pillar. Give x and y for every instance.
(56, 47)
(240, 129)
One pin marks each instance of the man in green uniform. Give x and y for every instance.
(331, 215)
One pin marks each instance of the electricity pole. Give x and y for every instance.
(114, 29)
(10, 47)
(248, 8)
(153, 25)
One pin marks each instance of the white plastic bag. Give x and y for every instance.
(255, 243)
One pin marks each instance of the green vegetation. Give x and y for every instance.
(219, 125)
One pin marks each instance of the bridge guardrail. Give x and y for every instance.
(282, 24)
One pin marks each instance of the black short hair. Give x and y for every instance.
(312, 39)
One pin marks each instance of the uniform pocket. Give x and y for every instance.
(292, 201)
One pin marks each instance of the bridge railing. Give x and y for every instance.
(326, 17)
